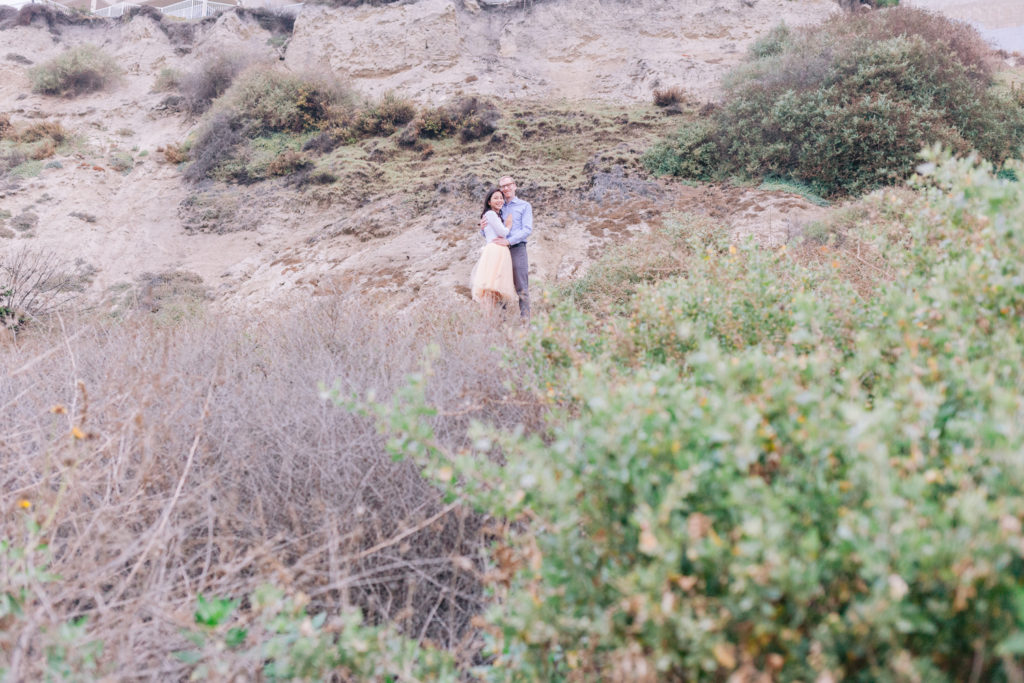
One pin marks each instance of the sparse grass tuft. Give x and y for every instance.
(288, 162)
(122, 161)
(173, 153)
(167, 80)
(27, 169)
(52, 130)
(794, 187)
(663, 97)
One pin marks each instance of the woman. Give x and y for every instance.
(492, 275)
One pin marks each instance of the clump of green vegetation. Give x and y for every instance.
(262, 110)
(122, 162)
(470, 118)
(261, 123)
(759, 468)
(846, 107)
(77, 71)
(23, 148)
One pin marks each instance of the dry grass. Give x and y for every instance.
(664, 97)
(198, 458)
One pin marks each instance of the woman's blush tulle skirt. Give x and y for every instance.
(493, 273)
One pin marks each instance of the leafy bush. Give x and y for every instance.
(34, 142)
(476, 118)
(122, 161)
(260, 105)
(269, 101)
(77, 71)
(68, 650)
(754, 472)
(384, 117)
(471, 118)
(692, 153)
(215, 143)
(846, 107)
(435, 123)
(776, 41)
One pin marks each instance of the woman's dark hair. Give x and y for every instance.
(487, 200)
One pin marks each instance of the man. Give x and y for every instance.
(521, 214)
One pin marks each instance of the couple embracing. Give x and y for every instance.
(502, 273)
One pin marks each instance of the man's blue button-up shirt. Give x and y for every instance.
(522, 220)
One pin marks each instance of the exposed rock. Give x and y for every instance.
(616, 185)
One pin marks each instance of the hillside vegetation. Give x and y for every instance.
(770, 473)
(846, 107)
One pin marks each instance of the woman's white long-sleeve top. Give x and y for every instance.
(494, 228)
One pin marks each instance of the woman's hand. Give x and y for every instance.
(508, 222)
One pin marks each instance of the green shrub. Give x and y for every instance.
(753, 471)
(384, 117)
(65, 650)
(845, 107)
(692, 153)
(436, 123)
(469, 117)
(44, 130)
(242, 134)
(77, 71)
(777, 40)
(269, 101)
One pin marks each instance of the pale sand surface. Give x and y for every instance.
(994, 14)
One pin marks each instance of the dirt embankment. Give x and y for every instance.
(570, 49)
(573, 77)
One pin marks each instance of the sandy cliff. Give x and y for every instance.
(416, 237)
